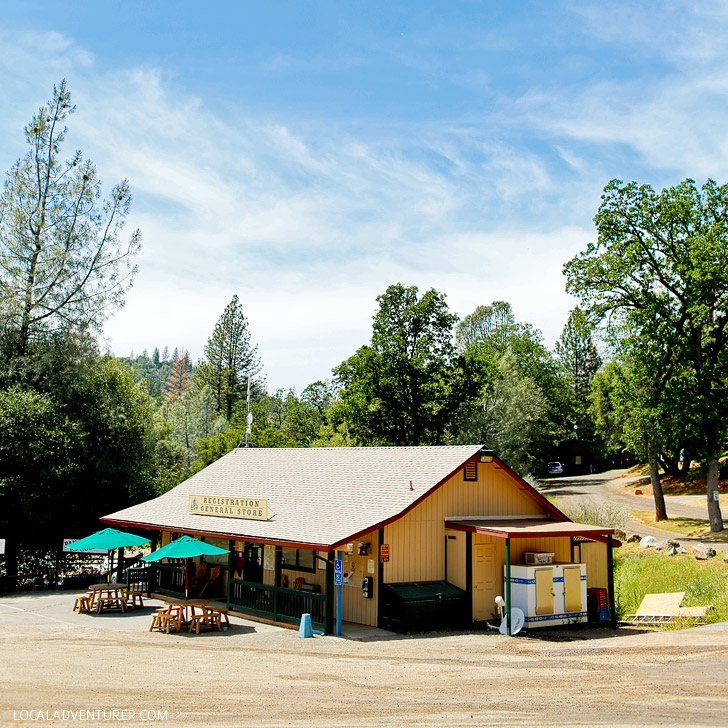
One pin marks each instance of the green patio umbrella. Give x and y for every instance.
(109, 539)
(185, 547)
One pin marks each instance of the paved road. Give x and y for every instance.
(607, 488)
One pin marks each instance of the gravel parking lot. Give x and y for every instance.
(54, 660)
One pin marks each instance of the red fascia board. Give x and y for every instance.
(224, 536)
(542, 500)
(556, 532)
(425, 495)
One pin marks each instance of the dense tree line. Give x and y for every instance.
(83, 434)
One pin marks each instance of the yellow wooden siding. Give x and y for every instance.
(166, 538)
(456, 558)
(354, 608)
(594, 555)
(417, 540)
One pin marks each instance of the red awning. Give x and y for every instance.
(528, 528)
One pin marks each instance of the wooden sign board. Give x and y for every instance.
(208, 505)
(384, 552)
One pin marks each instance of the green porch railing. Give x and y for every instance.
(170, 579)
(162, 578)
(277, 602)
(141, 578)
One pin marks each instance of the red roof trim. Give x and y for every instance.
(538, 497)
(499, 533)
(427, 494)
(214, 534)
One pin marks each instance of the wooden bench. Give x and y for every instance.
(223, 614)
(208, 618)
(166, 617)
(211, 617)
(83, 603)
(131, 598)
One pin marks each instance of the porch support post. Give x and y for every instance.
(508, 587)
(571, 542)
(338, 602)
(277, 580)
(329, 607)
(380, 576)
(469, 572)
(231, 555)
(610, 582)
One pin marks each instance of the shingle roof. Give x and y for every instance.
(316, 496)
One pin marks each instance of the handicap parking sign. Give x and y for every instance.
(337, 572)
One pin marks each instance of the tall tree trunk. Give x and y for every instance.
(714, 515)
(660, 510)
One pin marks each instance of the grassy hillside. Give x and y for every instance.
(639, 571)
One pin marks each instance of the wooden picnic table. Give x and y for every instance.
(182, 613)
(108, 596)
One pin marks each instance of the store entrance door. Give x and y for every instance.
(253, 563)
(483, 581)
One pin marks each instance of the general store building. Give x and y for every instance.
(426, 536)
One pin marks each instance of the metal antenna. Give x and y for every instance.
(249, 416)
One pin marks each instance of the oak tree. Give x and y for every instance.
(660, 267)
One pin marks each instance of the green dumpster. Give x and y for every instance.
(422, 606)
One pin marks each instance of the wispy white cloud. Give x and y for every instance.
(309, 223)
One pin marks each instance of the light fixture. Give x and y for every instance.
(486, 456)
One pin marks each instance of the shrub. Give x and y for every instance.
(607, 515)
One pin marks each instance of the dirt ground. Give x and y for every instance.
(52, 659)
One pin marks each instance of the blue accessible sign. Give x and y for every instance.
(337, 572)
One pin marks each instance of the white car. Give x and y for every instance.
(555, 468)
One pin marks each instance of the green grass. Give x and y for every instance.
(638, 572)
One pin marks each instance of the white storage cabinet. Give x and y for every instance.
(549, 594)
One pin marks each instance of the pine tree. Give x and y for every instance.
(63, 263)
(229, 359)
(580, 361)
(180, 377)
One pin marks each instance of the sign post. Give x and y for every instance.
(337, 583)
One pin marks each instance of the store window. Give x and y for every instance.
(220, 559)
(298, 559)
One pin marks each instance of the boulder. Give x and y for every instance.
(725, 558)
(648, 541)
(619, 534)
(637, 491)
(703, 552)
(673, 542)
(633, 538)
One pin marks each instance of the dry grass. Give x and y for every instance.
(690, 527)
(695, 484)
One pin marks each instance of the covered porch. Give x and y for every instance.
(493, 549)
(259, 580)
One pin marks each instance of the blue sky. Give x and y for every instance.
(306, 155)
